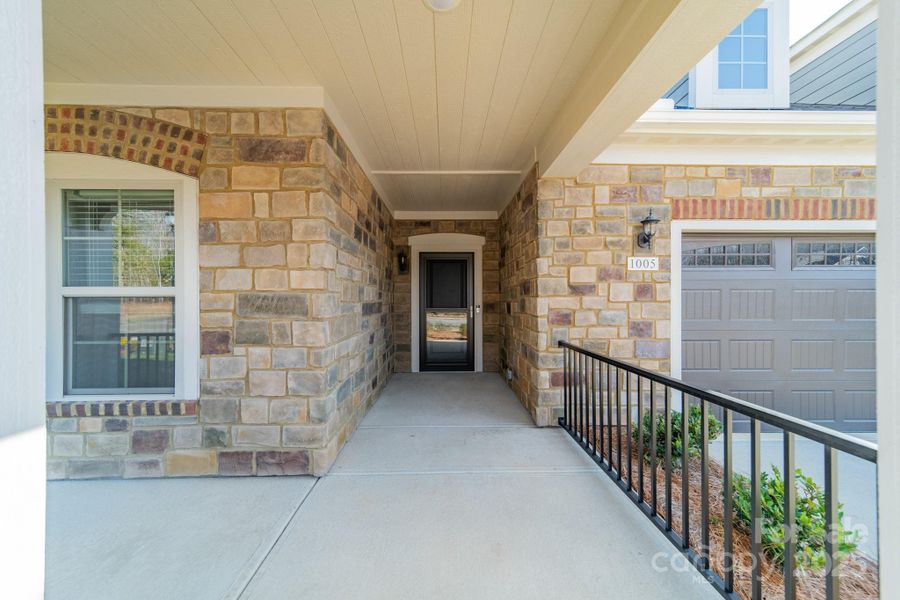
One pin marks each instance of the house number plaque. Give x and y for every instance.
(643, 263)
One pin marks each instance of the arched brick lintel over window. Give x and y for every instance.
(104, 131)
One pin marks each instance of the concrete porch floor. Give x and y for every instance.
(447, 490)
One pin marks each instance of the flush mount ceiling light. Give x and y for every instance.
(441, 5)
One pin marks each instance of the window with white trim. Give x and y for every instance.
(750, 67)
(119, 291)
(744, 54)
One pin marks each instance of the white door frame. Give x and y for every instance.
(732, 226)
(444, 242)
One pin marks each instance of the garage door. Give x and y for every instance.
(785, 322)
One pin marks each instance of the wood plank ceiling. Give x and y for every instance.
(472, 89)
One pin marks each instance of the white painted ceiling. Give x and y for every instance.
(470, 89)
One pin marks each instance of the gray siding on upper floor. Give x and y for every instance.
(842, 78)
(679, 92)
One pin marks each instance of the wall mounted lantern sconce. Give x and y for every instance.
(648, 230)
(402, 262)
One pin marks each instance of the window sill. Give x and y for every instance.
(156, 406)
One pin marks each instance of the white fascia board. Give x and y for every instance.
(445, 215)
(686, 153)
(759, 122)
(837, 28)
(206, 96)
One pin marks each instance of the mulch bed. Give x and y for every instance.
(859, 573)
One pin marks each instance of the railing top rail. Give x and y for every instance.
(835, 439)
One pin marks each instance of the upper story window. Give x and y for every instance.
(749, 68)
(743, 54)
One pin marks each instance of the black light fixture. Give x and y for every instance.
(402, 261)
(648, 230)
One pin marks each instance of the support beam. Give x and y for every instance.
(888, 290)
(22, 309)
(649, 46)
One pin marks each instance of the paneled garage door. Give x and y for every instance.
(785, 322)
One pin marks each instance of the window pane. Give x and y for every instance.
(730, 50)
(124, 345)
(119, 238)
(756, 23)
(755, 49)
(730, 77)
(755, 77)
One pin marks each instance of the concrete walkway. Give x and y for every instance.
(447, 490)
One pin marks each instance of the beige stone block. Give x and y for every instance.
(256, 435)
(216, 319)
(702, 187)
(322, 205)
(217, 122)
(656, 310)
(674, 172)
(750, 192)
(237, 231)
(579, 196)
(220, 255)
(254, 410)
(306, 122)
(243, 122)
(90, 425)
(309, 333)
(214, 178)
(823, 175)
(174, 115)
(776, 192)
(264, 256)
(234, 279)
(219, 156)
(322, 255)
(289, 204)
(599, 257)
(210, 301)
(305, 230)
(297, 255)
(191, 462)
(604, 174)
(259, 358)
(267, 383)
(550, 188)
(288, 411)
(785, 176)
(716, 171)
(261, 205)
(226, 205)
(621, 292)
(676, 188)
(601, 194)
(271, 122)
(308, 280)
(585, 317)
(305, 177)
(227, 367)
(557, 228)
(621, 348)
(728, 188)
(255, 178)
(695, 171)
(583, 275)
(270, 279)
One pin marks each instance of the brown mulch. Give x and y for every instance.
(859, 573)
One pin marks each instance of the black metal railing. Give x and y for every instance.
(602, 396)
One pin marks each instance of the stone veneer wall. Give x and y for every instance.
(296, 259)
(584, 231)
(490, 286)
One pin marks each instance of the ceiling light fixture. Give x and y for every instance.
(441, 5)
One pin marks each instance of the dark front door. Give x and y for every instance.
(446, 312)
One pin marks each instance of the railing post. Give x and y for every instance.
(728, 500)
(832, 526)
(755, 512)
(566, 385)
(667, 419)
(790, 517)
(685, 472)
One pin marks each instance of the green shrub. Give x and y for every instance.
(713, 429)
(810, 519)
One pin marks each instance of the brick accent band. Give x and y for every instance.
(123, 408)
(108, 132)
(824, 209)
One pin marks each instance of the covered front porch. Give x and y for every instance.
(446, 490)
